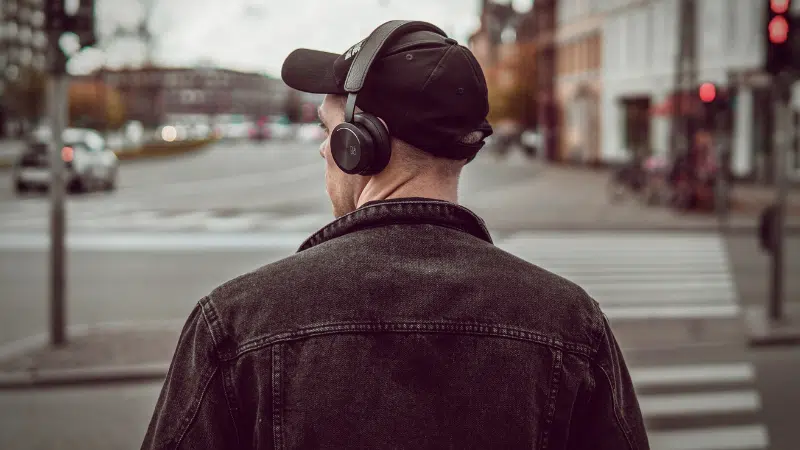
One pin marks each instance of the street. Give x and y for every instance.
(176, 228)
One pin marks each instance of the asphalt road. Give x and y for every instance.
(272, 178)
(149, 276)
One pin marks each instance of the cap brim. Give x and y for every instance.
(311, 71)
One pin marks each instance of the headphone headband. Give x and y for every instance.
(370, 49)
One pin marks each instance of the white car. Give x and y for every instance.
(310, 133)
(89, 164)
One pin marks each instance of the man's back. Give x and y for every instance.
(399, 326)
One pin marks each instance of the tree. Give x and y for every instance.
(26, 96)
(293, 107)
(95, 105)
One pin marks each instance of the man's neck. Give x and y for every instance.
(409, 187)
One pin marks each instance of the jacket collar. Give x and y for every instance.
(412, 210)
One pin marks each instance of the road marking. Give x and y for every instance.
(746, 437)
(692, 375)
(241, 222)
(302, 222)
(665, 298)
(671, 312)
(671, 405)
(157, 241)
(197, 187)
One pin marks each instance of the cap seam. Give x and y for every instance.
(438, 64)
(471, 64)
(402, 47)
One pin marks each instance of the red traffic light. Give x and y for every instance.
(778, 30)
(779, 6)
(708, 92)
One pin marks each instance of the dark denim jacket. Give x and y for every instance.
(399, 325)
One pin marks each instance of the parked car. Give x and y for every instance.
(89, 164)
(260, 131)
(310, 132)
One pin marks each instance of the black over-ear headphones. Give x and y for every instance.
(361, 144)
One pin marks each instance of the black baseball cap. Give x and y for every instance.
(430, 91)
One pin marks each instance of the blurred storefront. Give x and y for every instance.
(579, 79)
(640, 47)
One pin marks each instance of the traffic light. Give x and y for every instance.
(781, 37)
(715, 106)
(707, 92)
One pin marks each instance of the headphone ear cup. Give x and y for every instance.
(351, 148)
(381, 142)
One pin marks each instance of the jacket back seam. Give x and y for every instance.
(437, 327)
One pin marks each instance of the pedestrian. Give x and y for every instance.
(399, 324)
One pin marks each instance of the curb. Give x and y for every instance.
(151, 371)
(576, 228)
(89, 375)
(762, 332)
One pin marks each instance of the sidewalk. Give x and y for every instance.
(572, 198)
(98, 354)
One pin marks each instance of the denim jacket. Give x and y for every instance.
(399, 325)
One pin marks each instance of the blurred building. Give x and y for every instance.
(23, 46)
(157, 96)
(505, 50)
(579, 62)
(641, 41)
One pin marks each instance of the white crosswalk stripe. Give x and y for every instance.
(662, 289)
(89, 217)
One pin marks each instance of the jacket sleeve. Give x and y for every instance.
(192, 410)
(612, 420)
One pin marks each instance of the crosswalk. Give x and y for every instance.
(669, 293)
(91, 217)
(666, 294)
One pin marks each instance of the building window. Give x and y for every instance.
(26, 56)
(37, 19)
(40, 40)
(12, 72)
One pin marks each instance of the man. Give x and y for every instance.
(399, 324)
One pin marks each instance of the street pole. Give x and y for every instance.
(57, 86)
(781, 151)
(723, 150)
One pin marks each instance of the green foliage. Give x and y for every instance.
(95, 105)
(293, 108)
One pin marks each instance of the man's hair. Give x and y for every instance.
(416, 160)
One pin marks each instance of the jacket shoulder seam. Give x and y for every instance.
(213, 322)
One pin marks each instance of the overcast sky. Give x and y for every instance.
(256, 35)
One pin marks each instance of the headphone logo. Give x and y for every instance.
(353, 50)
(352, 149)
